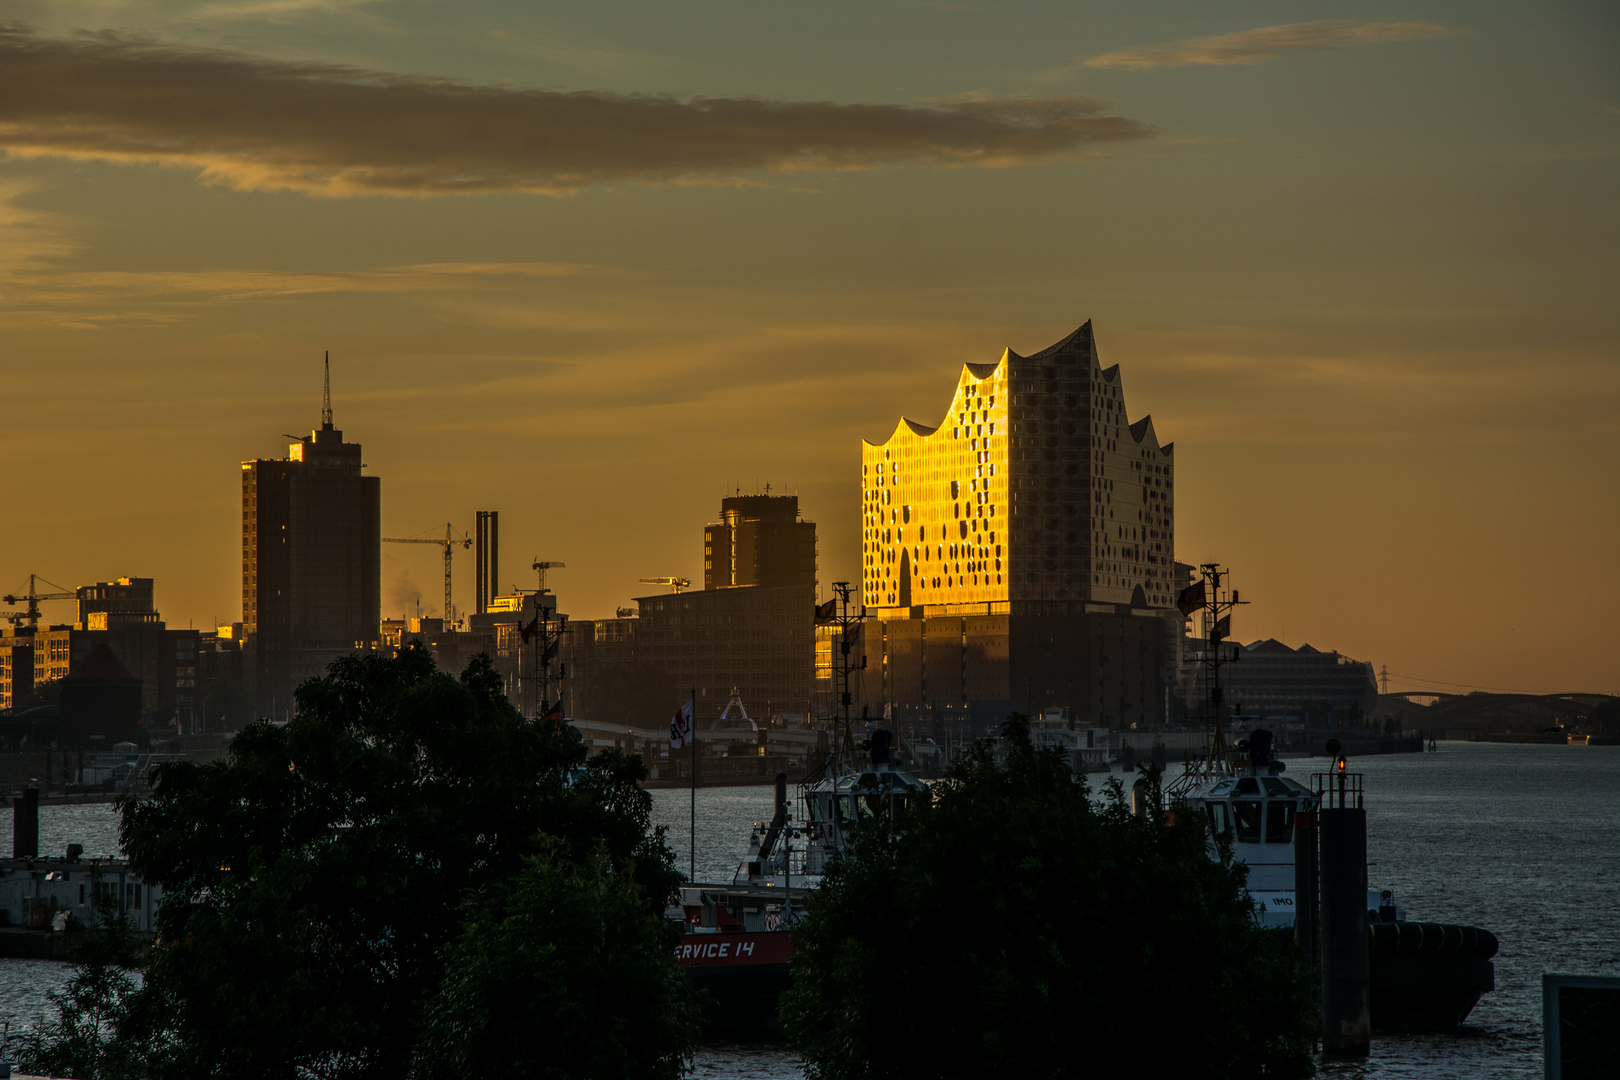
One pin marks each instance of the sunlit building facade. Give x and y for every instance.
(1020, 554)
(1035, 493)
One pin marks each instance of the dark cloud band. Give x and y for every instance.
(258, 124)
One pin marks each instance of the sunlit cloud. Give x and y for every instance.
(264, 125)
(1269, 43)
(36, 293)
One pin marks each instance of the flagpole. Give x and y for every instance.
(694, 786)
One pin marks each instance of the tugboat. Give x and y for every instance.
(737, 939)
(1422, 974)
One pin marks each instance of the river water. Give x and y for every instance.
(1521, 840)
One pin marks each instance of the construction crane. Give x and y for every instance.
(542, 567)
(32, 598)
(449, 544)
(676, 583)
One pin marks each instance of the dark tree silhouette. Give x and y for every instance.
(1017, 927)
(313, 880)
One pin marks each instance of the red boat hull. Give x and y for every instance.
(739, 978)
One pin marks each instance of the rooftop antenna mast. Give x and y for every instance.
(326, 396)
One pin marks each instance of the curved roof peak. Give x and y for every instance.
(916, 428)
(1081, 334)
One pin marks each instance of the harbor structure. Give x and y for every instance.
(311, 561)
(1020, 553)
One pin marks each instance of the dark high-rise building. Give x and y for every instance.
(311, 565)
(759, 540)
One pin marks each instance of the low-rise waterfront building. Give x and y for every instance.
(1274, 682)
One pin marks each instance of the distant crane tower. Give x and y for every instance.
(32, 598)
(541, 568)
(676, 583)
(449, 543)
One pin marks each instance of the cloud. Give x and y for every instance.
(29, 239)
(1269, 42)
(35, 293)
(259, 284)
(258, 125)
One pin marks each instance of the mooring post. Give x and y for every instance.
(1305, 899)
(25, 824)
(1346, 1019)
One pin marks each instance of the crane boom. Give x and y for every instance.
(32, 598)
(676, 583)
(449, 544)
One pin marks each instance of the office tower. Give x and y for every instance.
(487, 557)
(1021, 552)
(311, 567)
(759, 540)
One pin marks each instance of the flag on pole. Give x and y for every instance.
(527, 632)
(555, 712)
(1222, 630)
(827, 612)
(1191, 598)
(680, 727)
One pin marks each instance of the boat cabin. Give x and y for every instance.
(1254, 816)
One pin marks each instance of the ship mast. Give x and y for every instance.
(843, 665)
(1218, 603)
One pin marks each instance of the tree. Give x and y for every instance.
(1017, 927)
(312, 879)
(226, 705)
(98, 998)
(563, 973)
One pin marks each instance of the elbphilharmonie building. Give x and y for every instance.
(1020, 553)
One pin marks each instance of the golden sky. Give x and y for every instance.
(595, 266)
